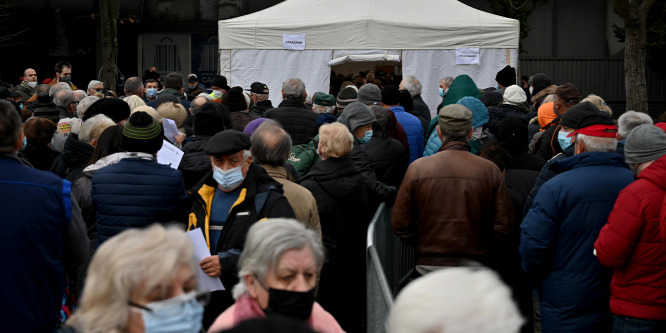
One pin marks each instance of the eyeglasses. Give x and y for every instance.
(99, 90)
(174, 305)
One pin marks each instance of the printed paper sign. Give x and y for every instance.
(467, 56)
(293, 42)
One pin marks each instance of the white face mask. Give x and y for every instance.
(32, 84)
(476, 135)
(531, 90)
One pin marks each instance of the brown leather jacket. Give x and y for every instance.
(452, 204)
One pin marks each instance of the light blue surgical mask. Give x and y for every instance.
(441, 92)
(563, 140)
(366, 137)
(25, 143)
(228, 179)
(21, 106)
(182, 313)
(151, 92)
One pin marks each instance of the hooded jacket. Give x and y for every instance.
(462, 86)
(557, 238)
(631, 244)
(73, 158)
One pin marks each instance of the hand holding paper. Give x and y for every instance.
(202, 253)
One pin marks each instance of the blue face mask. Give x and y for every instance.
(441, 92)
(229, 179)
(151, 92)
(563, 140)
(182, 313)
(21, 106)
(366, 137)
(25, 143)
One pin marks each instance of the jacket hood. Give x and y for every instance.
(75, 152)
(655, 173)
(587, 159)
(113, 159)
(540, 81)
(462, 86)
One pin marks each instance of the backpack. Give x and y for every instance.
(304, 156)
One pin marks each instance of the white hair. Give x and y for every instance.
(412, 84)
(447, 81)
(80, 94)
(92, 128)
(294, 88)
(94, 83)
(630, 120)
(322, 109)
(265, 244)
(57, 87)
(455, 300)
(134, 261)
(134, 102)
(595, 143)
(84, 104)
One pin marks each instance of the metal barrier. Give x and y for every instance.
(387, 261)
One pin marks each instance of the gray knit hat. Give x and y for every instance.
(346, 96)
(645, 143)
(370, 94)
(356, 114)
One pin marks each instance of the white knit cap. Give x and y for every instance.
(514, 95)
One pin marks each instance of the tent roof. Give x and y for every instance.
(370, 25)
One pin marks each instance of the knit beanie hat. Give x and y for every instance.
(370, 94)
(355, 115)
(346, 96)
(113, 108)
(546, 114)
(491, 98)
(208, 120)
(644, 143)
(234, 100)
(391, 95)
(142, 133)
(479, 111)
(253, 125)
(514, 95)
(506, 76)
(540, 81)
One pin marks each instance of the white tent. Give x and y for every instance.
(422, 34)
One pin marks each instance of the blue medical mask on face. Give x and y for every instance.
(229, 179)
(182, 313)
(366, 137)
(25, 143)
(563, 140)
(21, 106)
(151, 92)
(441, 92)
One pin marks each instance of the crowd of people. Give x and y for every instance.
(507, 194)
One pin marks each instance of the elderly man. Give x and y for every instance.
(631, 243)
(299, 122)
(133, 86)
(259, 93)
(324, 105)
(412, 84)
(95, 86)
(236, 194)
(627, 122)
(27, 88)
(558, 232)
(63, 71)
(452, 206)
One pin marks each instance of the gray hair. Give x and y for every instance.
(197, 103)
(294, 89)
(270, 144)
(447, 81)
(84, 104)
(594, 143)
(630, 120)
(449, 135)
(57, 87)
(412, 84)
(43, 92)
(63, 98)
(265, 244)
(92, 128)
(133, 85)
(79, 94)
(261, 97)
(550, 98)
(322, 109)
(134, 101)
(94, 83)
(134, 261)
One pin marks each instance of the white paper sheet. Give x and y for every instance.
(169, 155)
(467, 56)
(293, 42)
(170, 129)
(201, 251)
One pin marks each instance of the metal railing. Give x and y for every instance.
(387, 261)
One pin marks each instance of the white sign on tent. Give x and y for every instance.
(467, 56)
(293, 42)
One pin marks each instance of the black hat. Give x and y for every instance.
(258, 88)
(142, 133)
(208, 120)
(507, 76)
(390, 95)
(234, 99)
(540, 81)
(583, 115)
(220, 82)
(113, 108)
(192, 78)
(227, 142)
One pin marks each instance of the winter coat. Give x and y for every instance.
(557, 237)
(414, 131)
(631, 244)
(387, 158)
(25, 90)
(260, 107)
(135, 193)
(342, 202)
(378, 192)
(240, 119)
(168, 91)
(452, 204)
(195, 163)
(73, 159)
(545, 174)
(299, 122)
(549, 146)
(421, 108)
(496, 114)
(41, 157)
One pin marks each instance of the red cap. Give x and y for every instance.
(661, 125)
(602, 131)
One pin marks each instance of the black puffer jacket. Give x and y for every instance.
(258, 109)
(195, 163)
(73, 158)
(386, 158)
(299, 122)
(342, 202)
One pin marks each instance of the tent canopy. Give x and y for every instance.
(371, 25)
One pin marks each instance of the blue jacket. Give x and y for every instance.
(135, 193)
(413, 129)
(36, 211)
(557, 238)
(434, 143)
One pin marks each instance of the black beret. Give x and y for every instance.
(227, 142)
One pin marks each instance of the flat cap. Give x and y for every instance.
(455, 117)
(324, 99)
(227, 142)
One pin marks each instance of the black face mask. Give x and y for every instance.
(292, 304)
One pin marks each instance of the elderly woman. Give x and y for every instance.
(278, 273)
(142, 280)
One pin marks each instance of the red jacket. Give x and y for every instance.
(631, 244)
